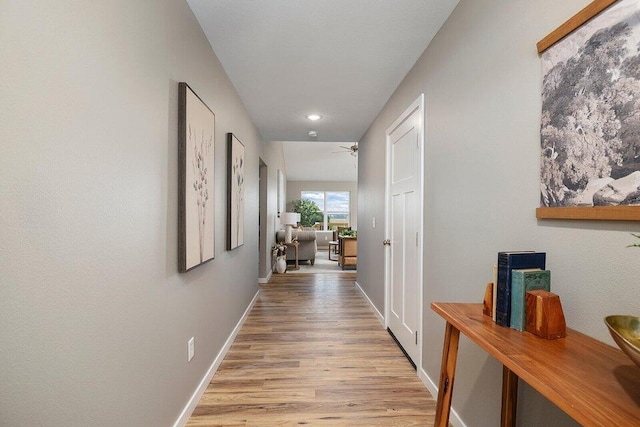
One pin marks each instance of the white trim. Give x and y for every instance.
(375, 309)
(454, 418)
(387, 225)
(184, 416)
(419, 105)
(266, 279)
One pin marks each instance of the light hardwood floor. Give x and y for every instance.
(312, 353)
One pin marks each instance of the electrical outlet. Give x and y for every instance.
(191, 349)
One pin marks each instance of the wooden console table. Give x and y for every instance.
(594, 383)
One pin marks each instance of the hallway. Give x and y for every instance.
(312, 352)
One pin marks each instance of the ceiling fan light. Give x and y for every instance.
(313, 117)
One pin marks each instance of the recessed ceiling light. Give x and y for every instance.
(313, 117)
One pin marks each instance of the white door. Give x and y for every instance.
(403, 258)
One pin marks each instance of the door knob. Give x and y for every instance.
(386, 242)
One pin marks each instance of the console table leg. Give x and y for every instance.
(509, 398)
(447, 373)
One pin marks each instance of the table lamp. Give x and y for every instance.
(289, 219)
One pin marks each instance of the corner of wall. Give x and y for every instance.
(191, 405)
(379, 315)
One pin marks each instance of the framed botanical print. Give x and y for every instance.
(235, 192)
(196, 134)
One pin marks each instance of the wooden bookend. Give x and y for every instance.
(487, 303)
(544, 315)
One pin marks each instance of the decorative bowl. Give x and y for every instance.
(625, 331)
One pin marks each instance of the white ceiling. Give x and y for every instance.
(319, 161)
(339, 58)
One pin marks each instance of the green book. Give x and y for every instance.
(524, 280)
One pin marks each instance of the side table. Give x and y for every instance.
(295, 244)
(334, 244)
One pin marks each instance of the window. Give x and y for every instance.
(334, 206)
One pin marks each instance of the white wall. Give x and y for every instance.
(295, 187)
(481, 78)
(95, 317)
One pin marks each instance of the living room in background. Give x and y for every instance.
(334, 205)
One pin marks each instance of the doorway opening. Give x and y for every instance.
(264, 253)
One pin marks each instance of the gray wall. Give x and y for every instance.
(95, 318)
(274, 158)
(481, 78)
(295, 187)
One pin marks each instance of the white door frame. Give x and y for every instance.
(418, 104)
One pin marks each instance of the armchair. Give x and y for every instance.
(307, 248)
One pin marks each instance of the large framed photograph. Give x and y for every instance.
(196, 133)
(590, 125)
(235, 192)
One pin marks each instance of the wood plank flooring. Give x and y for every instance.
(312, 353)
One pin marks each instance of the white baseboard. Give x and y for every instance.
(197, 394)
(266, 279)
(375, 310)
(454, 418)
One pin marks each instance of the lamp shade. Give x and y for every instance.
(289, 218)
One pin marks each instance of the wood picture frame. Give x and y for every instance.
(588, 12)
(236, 167)
(196, 186)
(611, 22)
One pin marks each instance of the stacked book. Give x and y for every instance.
(516, 273)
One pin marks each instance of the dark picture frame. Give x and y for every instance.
(236, 167)
(196, 184)
(590, 134)
(281, 195)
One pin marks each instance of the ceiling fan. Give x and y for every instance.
(353, 150)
